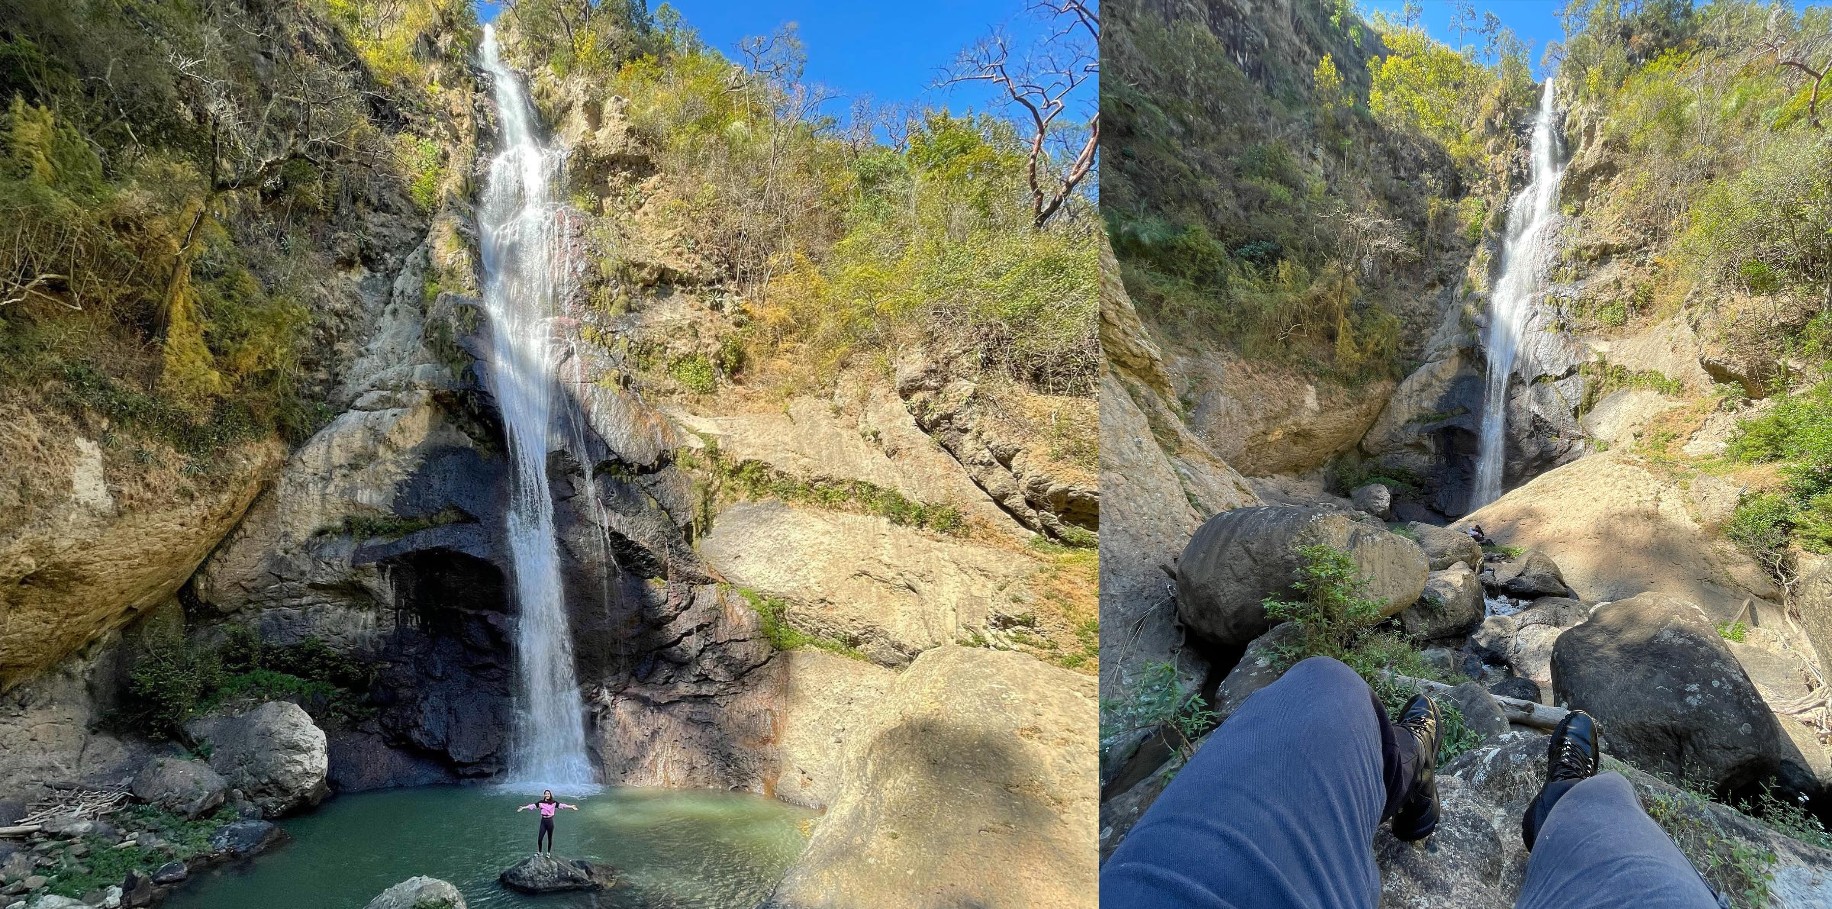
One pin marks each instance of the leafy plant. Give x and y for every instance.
(1157, 701)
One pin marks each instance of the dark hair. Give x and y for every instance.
(547, 795)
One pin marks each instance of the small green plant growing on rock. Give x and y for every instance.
(1732, 631)
(695, 373)
(1157, 702)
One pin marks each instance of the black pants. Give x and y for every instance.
(545, 836)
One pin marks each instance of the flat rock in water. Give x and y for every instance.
(545, 874)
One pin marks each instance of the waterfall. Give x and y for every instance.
(525, 265)
(1531, 216)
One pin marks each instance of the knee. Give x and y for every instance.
(1323, 673)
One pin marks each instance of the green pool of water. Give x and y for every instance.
(694, 850)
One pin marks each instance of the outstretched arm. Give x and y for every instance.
(525, 808)
(571, 807)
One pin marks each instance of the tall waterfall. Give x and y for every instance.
(1531, 216)
(524, 263)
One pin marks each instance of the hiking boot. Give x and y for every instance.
(1418, 815)
(1571, 758)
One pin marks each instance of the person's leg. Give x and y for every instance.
(543, 842)
(1277, 810)
(1599, 850)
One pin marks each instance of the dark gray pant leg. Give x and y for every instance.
(1277, 811)
(1600, 850)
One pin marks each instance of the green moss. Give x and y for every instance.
(756, 480)
(695, 373)
(783, 635)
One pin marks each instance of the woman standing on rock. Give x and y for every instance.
(548, 806)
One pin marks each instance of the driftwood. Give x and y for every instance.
(70, 801)
(1518, 712)
(21, 830)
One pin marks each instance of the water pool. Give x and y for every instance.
(693, 850)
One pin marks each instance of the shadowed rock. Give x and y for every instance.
(1239, 558)
(545, 874)
(1669, 694)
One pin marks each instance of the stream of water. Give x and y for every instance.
(679, 850)
(525, 267)
(1531, 216)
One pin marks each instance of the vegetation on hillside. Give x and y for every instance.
(841, 246)
(1725, 170)
(172, 180)
(1715, 173)
(1298, 211)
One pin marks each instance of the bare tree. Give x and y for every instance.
(1042, 85)
(1798, 52)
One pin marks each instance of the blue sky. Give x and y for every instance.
(892, 54)
(1533, 21)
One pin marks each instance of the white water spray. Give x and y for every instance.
(1531, 215)
(524, 263)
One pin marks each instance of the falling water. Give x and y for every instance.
(524, 261)
(1531, 215)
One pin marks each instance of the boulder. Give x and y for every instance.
(171, 873)
(274, 754)
(1450, 607)
(1374, 498)
(1537, 629)
(241, 839)
(546, 874)
(1514, 686)
(1445, 547)
(419, 893)
(180, 785)
(1616, 528)
(1531, 576)
(1480, 712)
(1669, 694)
(1239, 558)
(967, 739)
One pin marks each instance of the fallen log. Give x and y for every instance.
(1519, 712)
(21, 830)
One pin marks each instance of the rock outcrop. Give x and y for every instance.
(965, 740)
(889, 591)
(1524, 640)
(181, 786)
(1669, 694)
(1450, 606)
(419, 893)
(1445, 547)
(1617, 528)
(1239, 558)
(273, 753)
(546, 874)
(1161, 483)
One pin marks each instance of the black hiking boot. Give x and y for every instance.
(1571, 758)
(1418, 815)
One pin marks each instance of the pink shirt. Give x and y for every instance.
(547, 808)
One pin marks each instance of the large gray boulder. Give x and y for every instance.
(1374, 498)
(1525, 639)
(1450, 606)
(1669, 694)
(419, 893)
(1532, 576)
(274, 753)
(1813, 601)
(546, 874)
(181, 786)
(1239, 558)
(1445, 547)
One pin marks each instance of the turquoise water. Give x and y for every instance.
(693, 850)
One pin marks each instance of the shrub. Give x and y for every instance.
(1157, 701)
(695, 373)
